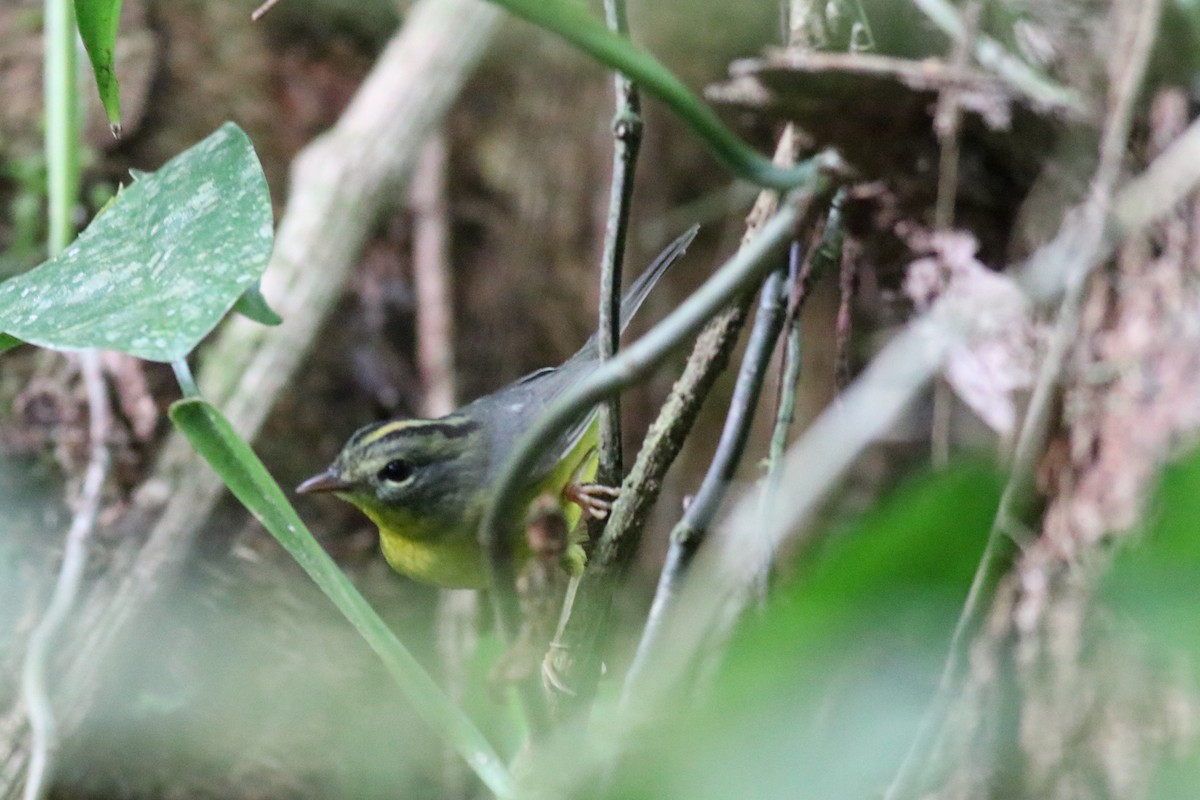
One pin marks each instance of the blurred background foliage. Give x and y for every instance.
(247, 684)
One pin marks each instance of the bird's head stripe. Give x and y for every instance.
(448, 427)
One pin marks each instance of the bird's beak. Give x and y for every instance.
(327, 481)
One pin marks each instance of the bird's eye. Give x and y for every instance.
(396, 471)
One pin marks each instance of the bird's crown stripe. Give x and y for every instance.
(449, 427)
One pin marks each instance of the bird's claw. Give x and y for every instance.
(595, 499)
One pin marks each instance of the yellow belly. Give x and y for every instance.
(454, 562)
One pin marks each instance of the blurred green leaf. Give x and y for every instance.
(153, 274)
(821, 696)
(215, 440)
(8, 342)
(98, 21)
(1153, 587)
(254, 306)
(1156, 583)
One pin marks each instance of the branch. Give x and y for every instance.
(431, 280)
(62, 156)
(627, 135)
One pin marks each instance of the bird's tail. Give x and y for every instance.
(637, 293)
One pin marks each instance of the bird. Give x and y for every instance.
(425, 483)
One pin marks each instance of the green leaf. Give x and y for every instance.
(237, 465)
(254, 306)
(98, 21)
(1151, 590)
(9, 342)
(821, 695)
(1155, 583)
(153, 274)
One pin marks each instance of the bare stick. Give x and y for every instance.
(259, 12)
(431, 280)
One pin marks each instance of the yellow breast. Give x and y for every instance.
(452, 562)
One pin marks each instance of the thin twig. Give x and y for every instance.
(43, 735)
(825, 251)
(947, 121)
(692, 529)
(62, 157)
(259, 12)
(627, 139)
(947, 124)
(799, 277)
(843, 329)
(627, 127)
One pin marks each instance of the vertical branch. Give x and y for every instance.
(627, 135)
(431, 280)
(799, 275)
(43, 734)
(843, 330)
(947, 124)
(803, 269)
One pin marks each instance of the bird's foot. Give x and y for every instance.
(595, 499)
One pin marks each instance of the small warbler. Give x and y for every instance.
(425, 482)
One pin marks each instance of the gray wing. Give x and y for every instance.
(510, 412)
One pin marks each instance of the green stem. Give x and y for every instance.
(185, 379)
(571, 21)
(62, 122)
(785, 411)
(62, 172)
